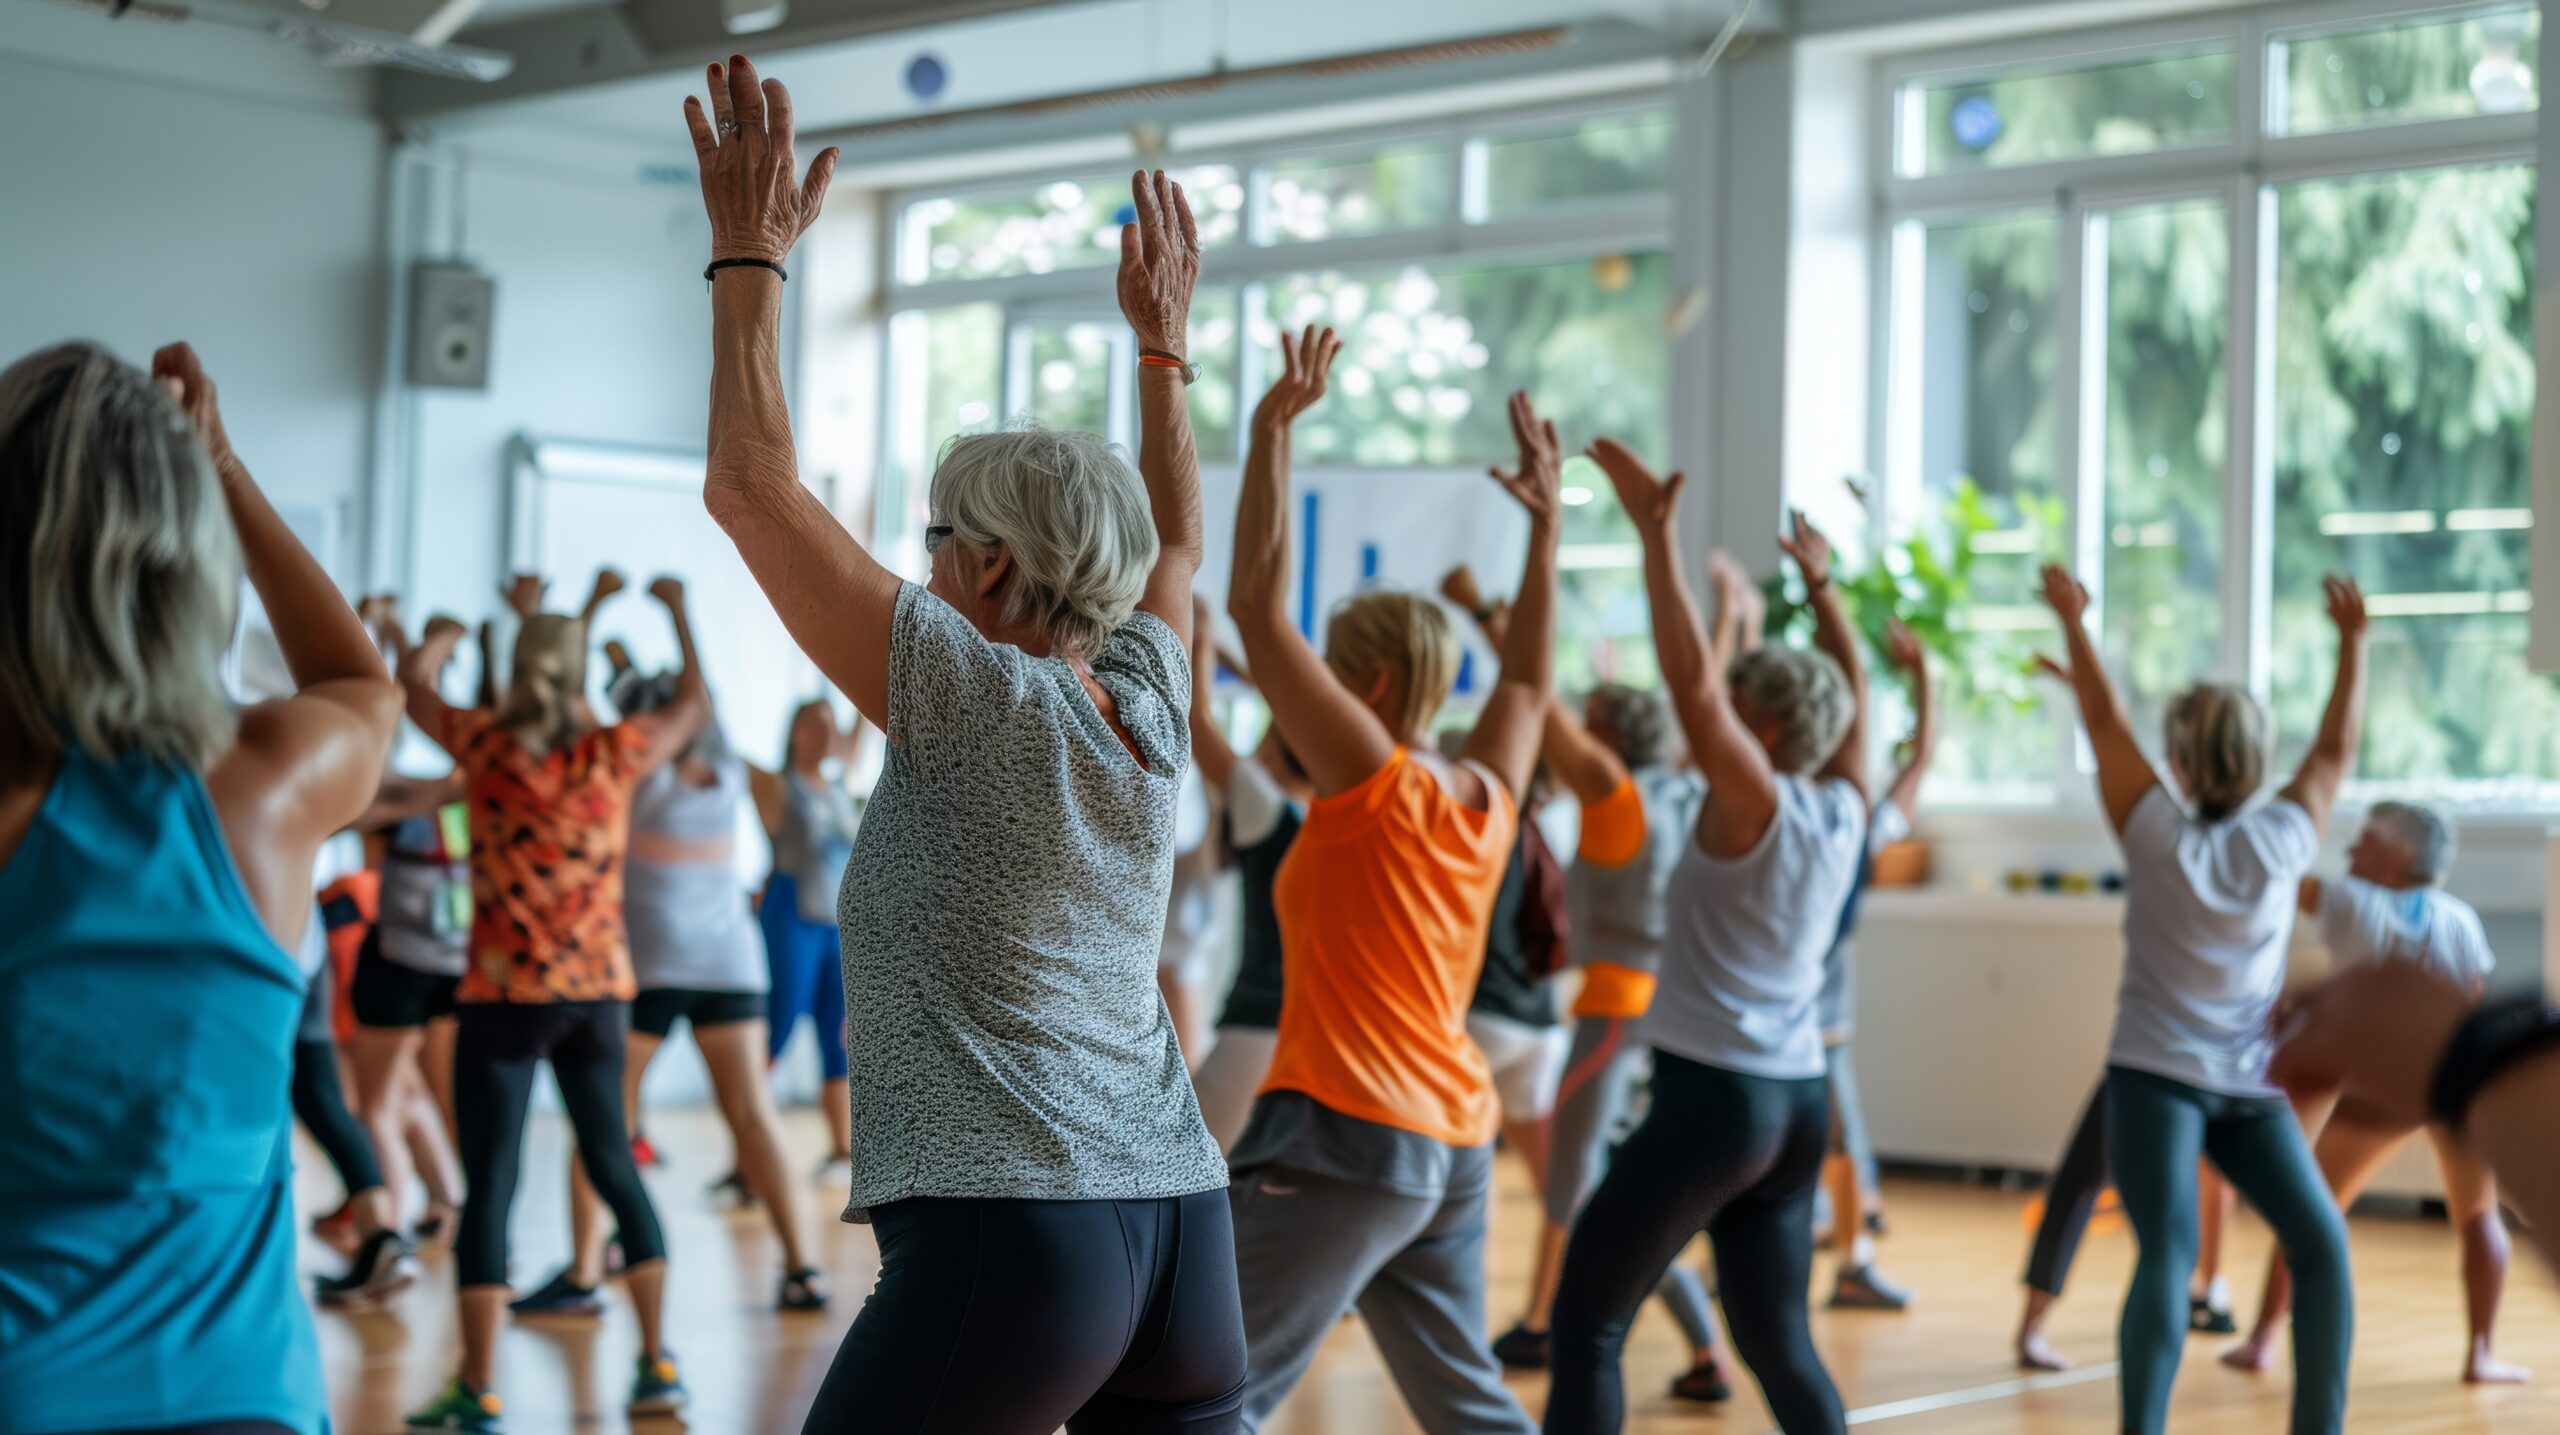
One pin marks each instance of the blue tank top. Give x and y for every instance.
(146, 1040)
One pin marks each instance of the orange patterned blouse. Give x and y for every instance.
(547, 836)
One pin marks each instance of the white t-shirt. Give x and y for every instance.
(2364, 921)
(1745, 939)
(1255, 803)
(2208, 911)
(1191, 907)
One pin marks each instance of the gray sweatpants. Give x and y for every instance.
(1310, 1247)
(1601, 1075)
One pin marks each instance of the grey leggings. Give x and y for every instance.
(1608, 1063)
(2156, 1128)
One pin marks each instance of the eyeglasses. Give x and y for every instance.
(934, 534)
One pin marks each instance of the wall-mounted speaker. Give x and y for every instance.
(450, 314)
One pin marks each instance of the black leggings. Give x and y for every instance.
(1739, 1157)
(993, 1317)
(320, 1104)
(497, 1046)
(2071, 1197)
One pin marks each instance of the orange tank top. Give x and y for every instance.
(1383, 902)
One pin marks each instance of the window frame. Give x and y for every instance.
(2245, 173)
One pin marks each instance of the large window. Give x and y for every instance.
(2143, 322)
(1459, 261)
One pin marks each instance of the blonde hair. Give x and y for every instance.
(1071, 513)
(547, 681)
(123, 567)
(1403, 636)
(2216, 739)
(1805, 693)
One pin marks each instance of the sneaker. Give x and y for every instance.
(2206, 1318)
(804, 1289)
(386, 1264)
(1521, 1348)
(1865, 1288)
(1703, 1385)
(835, 1171)
(459, 1408)
(656, 1389)
(1875, 1223)
(730, 1193)
(559, 1296)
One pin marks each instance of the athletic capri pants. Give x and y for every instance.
(497, 1048)
(807, 967)
(2156, 1130)
(1739, 1157)
(1015, 1317)
(1602, 1074)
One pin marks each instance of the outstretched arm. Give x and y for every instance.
(833, 597)
(1742, 785)
(1337, 740)
(303, 767)
(1513, 720)
(2333, 754)
(2124, 774)
(1209, 750)
(1913, 659)
(1833, 634)
(608, 582)
(1730, 584)
(1583, 763)
(1159, 265)
(672, 727)
(420, 667)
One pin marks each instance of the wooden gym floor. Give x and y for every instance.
(1943, 1367)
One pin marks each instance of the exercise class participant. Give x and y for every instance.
(2390, 907)
(1266, 800)
(384, 1260)
(698, 958)
(1055, 1246)
(1361, 1177)
(550, 974)
(2210, 888)
(156, 850)
(1638, 809)
(812, 821)
(1849, 1171)
(1734, 1139)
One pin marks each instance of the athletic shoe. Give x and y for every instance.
(337, 1229)
(387, 1263)
(559, 1296)
(1875, 1223)
(459, 1408)
(835, 1171)
(1704, 1385)
(1865, 1288)
(1521, 1348)
(804, 1289)
(730, 1193)
(643, 1153)
(656, 1389)
(2205, 1318)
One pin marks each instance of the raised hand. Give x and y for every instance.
(1650, 502)
(1810, 549)
(1159, 264)
(523, 593)
(758, 202)
(667, 589)
(1305, 362)
(1537, 484)
(2346, 606)
(2047, 665)
(442, 628)
(608, 582)
(1729, 582)
(1903, 647)
(2067, 596)
(1459, 586)
(181, 375)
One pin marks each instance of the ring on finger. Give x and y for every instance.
(729, 127)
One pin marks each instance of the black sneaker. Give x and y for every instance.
(559, 1296)
(1703, 1385)
(2206, 1318)
(386, 1263)
(804, 1289)
(730, 1193)
(1521, 1348)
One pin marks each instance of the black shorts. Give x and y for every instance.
(387, 995)
(655, 1011)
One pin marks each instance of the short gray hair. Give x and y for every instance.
(1804, 693)
(1071, 512)
(1639, 719)
(2422, 835)
(123, 567)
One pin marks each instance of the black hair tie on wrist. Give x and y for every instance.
(717, 265)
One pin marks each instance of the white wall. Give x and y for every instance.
(169, 183)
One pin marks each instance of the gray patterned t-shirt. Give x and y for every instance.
(1001, 919)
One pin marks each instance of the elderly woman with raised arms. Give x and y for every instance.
(1052, 1214)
